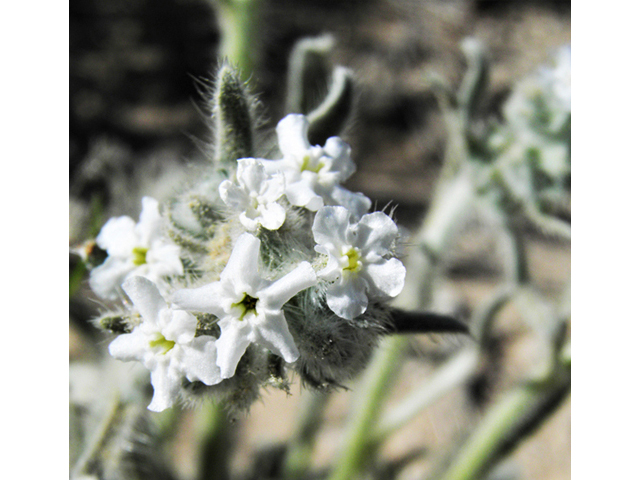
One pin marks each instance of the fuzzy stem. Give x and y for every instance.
(450, 375)
(454, 372)
(239, 22)
(90, 457)
(509, 422)
(214, 442)
(298, 457)
(453, 197)
(373, 390)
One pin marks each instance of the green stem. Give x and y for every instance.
(75, 277)
(450, 375)
(373, 390)
(519, 265)
(213, 434)
(239, 26)
(509, 422)
(298, 457)
(90, 458)
(453, 197)
(454, 372)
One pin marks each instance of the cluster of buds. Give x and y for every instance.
(261, 266)
(532, 147)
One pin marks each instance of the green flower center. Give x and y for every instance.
(140, 256)
(310, 166)
(162, 344)
(247, 304)
(352, 262)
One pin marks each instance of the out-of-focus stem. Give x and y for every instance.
(239, 26)
(453, 197)
(454, 372)
(213, 439)
(100, 438)
(372, 391)
(298, 457)
(510, 421)
(448, 376)
(520, 270)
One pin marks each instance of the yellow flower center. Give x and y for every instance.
(162, 344)
(140, 256)
(351, 260)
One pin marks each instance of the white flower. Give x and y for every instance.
(134, 249)
(558, 78)
(359, 259)
(255, 196)
(166, 344)
(248, 306)
(313, 173)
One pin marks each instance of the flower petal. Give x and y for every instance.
(233, 196)
(279, 292)
(357, 203)
(272, 215)
(129, 346)
(146, 297)
(242, 267)
(340, 152)
(250, 224)
(386, 279)
(208, 299)
(180, 327)
(301, 194)
(292, 135)
(272, 167)
(150, 225)
(118, 236)
(347, 298)
(231, 345)
(272, 188)
(106, 279)
(199, 361)
(331, 224)
(274, 335)
(166, 388)
(376, 232)
(163, 259)
(250, 174)
(332, 269)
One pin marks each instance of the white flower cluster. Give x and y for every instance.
(558, 78)
(537, 126)
(140, 249)
(350, 265)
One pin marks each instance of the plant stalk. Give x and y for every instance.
(373, 390)
(300, 450)
(239, 22)
(509, 422)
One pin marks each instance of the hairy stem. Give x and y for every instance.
(372, 391)
(510, 421)
(298, 456)
(238, 20)
(454, 372)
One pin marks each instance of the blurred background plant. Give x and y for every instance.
(459, 115)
